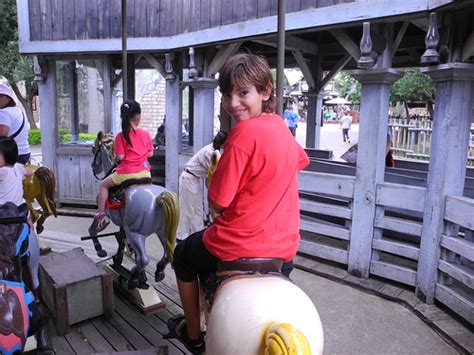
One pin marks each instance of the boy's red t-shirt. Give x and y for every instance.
(136, 156)
(257, 181)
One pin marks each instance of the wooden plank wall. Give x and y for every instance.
(96, 19)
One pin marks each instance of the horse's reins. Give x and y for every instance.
(94, 161)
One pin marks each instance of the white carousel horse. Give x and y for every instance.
(254, 313)
(21, 313)
(147, 209)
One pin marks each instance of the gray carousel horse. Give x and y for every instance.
(21, 312)
(146, 209)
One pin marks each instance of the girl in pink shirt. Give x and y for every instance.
(133, 147)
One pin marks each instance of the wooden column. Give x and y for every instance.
(370, 162)
(313, 120)
(107, 83)
(48, 115)
(447, 170)
(130, 82)
(203, 89)
(172, 131)
(74, 101)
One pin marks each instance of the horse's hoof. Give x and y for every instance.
(101, 253)
(159, 276)
(39, 229)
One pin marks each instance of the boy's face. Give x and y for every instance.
(244, 103)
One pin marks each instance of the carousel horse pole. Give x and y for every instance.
(41, 186)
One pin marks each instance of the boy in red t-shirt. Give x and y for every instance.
(255, 189)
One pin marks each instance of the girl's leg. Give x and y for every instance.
(104, 187)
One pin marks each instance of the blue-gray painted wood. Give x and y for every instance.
(46, 20)
(215, 13)
(80, 23)
(141, 14)
(108, 97)
(57, 27)
(104, 7)
(370, 163)
(450, 137)
(48, 112)
(92, 19)
(172, 132)
(205, 19)
(152, 19)
(203, 89)
(311, 117)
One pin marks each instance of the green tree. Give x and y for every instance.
(13, 66)
(414, 86)
(347, 87)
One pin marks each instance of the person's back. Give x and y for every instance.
(262, 217)
(135, 155)
(346, 121)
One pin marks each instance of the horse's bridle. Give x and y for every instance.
(96, 154)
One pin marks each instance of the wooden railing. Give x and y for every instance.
(326, 202)
(411, 138)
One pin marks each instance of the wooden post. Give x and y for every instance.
(313, 120)
(74, 101)
(447, 170)
(203, 89)
(370, 162)
(172, 127)
(48, 115)
(107, 83)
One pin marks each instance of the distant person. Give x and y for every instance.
(191, 210)
(291, 118)
(11, 175)
(159, 139)
(14, 123)
(345, 124)
(389, 161)
(326, 114)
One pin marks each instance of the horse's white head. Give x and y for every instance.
(258, 315)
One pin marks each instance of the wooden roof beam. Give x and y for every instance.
(292, 43)
(307, 74)
(155, 64)
(224, 53)
(347, 42)
(399, 37)
(338, 67)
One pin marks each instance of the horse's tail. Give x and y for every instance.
(169, 202)
(46, 176)
(283, 338)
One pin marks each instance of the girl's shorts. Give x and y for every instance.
(117, 179)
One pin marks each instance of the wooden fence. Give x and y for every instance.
(326, 202)
(411, 138)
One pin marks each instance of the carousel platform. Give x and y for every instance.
(358, 316)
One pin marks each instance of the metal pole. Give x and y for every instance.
(124, 51)
(281, 55)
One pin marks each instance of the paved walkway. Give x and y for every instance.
(354, 321)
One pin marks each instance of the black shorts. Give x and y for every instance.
(191, 258)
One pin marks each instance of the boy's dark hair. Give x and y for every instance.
(127, 111)
(219, 140)
(243, 69)
(9, 150)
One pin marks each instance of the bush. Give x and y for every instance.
(64, 136)
(34, 137)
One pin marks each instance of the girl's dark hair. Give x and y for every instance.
(128, 110)
(219, 140)
(243, 69)
(9, 150)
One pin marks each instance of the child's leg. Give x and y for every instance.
(104, 187)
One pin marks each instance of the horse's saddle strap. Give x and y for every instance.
(262, 265)
(139, 181)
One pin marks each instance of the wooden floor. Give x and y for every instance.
(128, 331)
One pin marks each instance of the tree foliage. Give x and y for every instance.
(414, 86)
(13, 66)
(347, 87)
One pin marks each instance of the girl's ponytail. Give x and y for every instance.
(128, 110)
